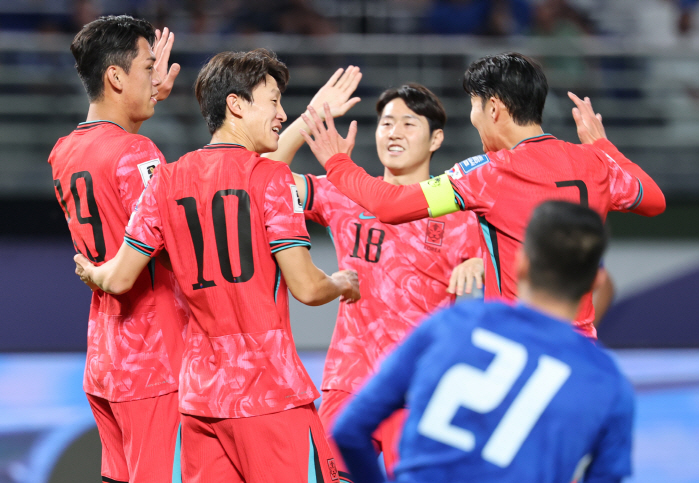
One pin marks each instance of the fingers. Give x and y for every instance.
(346, 79)
(352, 134)
(349, 105)
(599, 117)
(333, 78)
(329, 121)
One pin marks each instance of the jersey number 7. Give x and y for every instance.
(483, 391)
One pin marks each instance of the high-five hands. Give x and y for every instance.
(163, 47)
(337, 91)
(326, 142)
(589, 124)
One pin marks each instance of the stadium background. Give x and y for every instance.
(637, 59)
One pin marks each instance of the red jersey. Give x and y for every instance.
(135, 340)
(503, 188)
(222, 212)
(403, 270)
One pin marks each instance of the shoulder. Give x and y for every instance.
(473, 163)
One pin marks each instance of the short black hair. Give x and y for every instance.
(518, 81)
(235, 73)
(111, 40)
(564, 243)
(420, 100)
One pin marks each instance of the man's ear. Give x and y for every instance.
(436, 140)
(522, 265)
(234, 105)
(495, 109)
(114, 75)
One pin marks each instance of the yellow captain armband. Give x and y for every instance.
(439, 195)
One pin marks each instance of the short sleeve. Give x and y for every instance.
(612, 456)
(144, 233)
(316, 196)
(135, 168)
(284, 219)
(475, 182)
(626, 190)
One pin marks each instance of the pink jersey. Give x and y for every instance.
(404, 273)
(504, 187)
(222, 212)
(135, 340)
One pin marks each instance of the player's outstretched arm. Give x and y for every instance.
(309, 284)
(115, 276)
(591, 131)
(162, 49)
(337, 92)
(466, 275)
(389, 203)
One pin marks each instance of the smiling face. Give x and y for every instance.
(140, 85)
(263, 117)
(403, 138)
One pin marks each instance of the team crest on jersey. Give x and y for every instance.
(435, 232)
(296, 199)
(468, 165)
(146, 169)
(333, 469)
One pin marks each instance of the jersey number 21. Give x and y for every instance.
(483, 391)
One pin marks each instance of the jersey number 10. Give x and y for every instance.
(483, 391)
(218, 214)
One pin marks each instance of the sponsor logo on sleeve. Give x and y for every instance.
(296, 199)
(435, 232)
(468, 165)
(146, 169)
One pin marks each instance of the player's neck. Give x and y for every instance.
(544, 302)
(419, 174)
(516, 134)
(230, 136)
(101, 111)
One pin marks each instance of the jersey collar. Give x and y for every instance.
(536, 139)
(223, 146)
(90, 124)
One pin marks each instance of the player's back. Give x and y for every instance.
(506, 394)
(135, 340)
(221, 224)
(539, 169)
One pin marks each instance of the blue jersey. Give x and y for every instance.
(496, 393)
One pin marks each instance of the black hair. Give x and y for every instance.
(107, 41)
(235, 73)
(420, 100)
(518, 81)
(564, 243)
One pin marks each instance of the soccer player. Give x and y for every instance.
(135, 340)
(522, 167)
(234, 228)
(406, 271)
(506, 393)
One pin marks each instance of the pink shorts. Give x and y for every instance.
(288, 446)
(386, 437)
(138, 438)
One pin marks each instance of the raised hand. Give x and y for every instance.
(464, 276)
(589, 124)
(163, 47)
(337, 91)
(326, 142)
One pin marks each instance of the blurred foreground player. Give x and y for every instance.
(522, 167)
(406, 271)
(135, 340)
(234, 228)
(506, 393)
